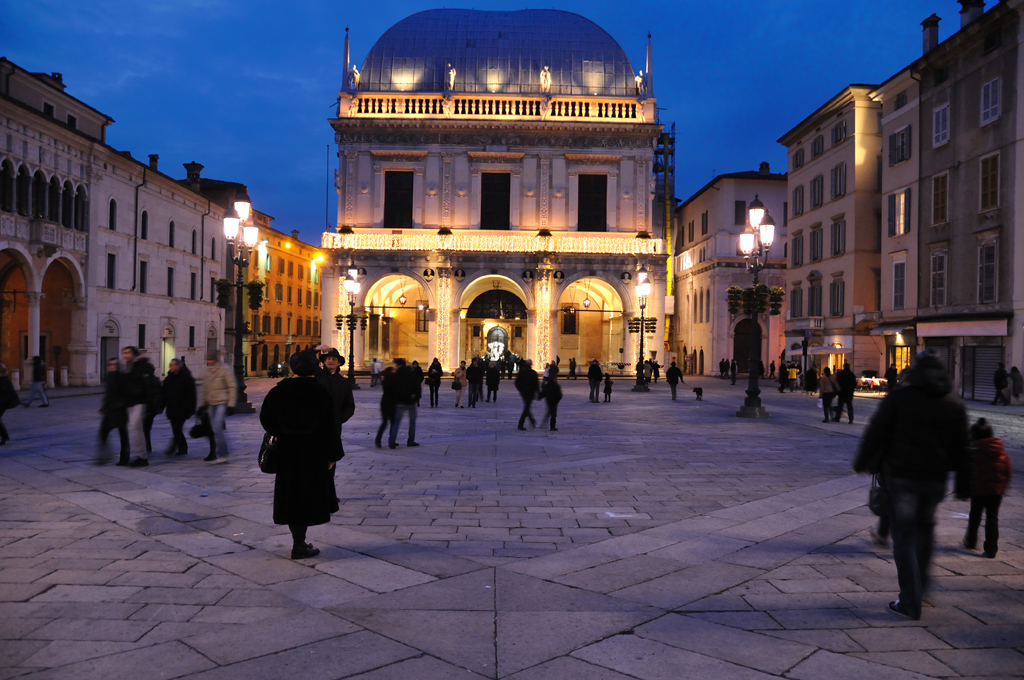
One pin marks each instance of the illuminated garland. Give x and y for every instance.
(543, 305)
(343, 333)
(443, 318)
(504, 243)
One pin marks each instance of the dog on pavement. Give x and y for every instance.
(700, 393)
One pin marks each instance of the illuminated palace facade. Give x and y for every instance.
(495, 192)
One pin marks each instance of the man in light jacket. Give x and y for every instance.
(218, 393)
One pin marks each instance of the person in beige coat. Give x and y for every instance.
(460, 376)
(218, 393)
(827, 390)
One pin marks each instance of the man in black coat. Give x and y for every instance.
(847, 384)
(594, 377)
(337, 385)
(178, 395)
(891, 376)
(527, 385)
(916, 437)
(673, 376)
(115, 413)
(1000, 381)
(404, 387)
(39, 384)
(733, 369)
(475, 377)
(136, 399)
(493, 378)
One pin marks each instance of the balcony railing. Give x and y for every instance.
(43, 232)
(810, 323)
(507, 107)
(473, 240)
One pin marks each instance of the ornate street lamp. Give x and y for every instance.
(643, 289)
(242, 240)
(754, 245)
(352, 288)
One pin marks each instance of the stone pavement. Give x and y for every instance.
(646, 539)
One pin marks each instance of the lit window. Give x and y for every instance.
(899, 213)
(940, 199)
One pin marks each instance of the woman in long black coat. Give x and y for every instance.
(300, 413)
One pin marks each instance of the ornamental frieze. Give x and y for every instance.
(470, 139)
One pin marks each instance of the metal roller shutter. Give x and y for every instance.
(986, 362)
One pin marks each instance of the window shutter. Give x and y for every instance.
(892, 150)
(906, 211)
(832, 179)
(892, 214)
(907, 142)
(842, 182)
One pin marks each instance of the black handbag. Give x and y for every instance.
(456, 385)
(878, 498)
(267, 458)
(202, 427)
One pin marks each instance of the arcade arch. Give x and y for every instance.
(398, 320)
(590, 322)
(493, 319)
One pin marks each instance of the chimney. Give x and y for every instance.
(295, 234)
(931, 33)
(153, 160)
(192, 171)
(765, 168)
(971, 10)
(59, 77)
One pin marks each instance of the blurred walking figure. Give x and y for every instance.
(673, 376)
(992, 473)
(115, 412)
(299, 412)
(1001, 380)
(594, 376)
(136, 399)
(475, 377)
(891, 376)
(733, 369)
(179, 397)
(846, 381)
(771, 370)
(1016, 384)
(417, 374)
(405, 388)
(493, 381)
(218, 393)
(572, 368)
(39, 384)
(154, 403)
(459, 383)
(434, 373)
(8, 399)
(827, 392)
(552, 394)
(917, 436)
(527, 385)
(387, 404)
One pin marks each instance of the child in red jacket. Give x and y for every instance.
(992, 470)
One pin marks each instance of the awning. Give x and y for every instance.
(952, 329)
(889, 329)
(829, 350)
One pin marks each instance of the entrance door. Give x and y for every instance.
(167, 350)
(109, 349)
(497, 342)
(741, 345)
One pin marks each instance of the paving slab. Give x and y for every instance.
(651, 660)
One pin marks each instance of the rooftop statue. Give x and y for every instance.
(451, 77)
(354, 77)
(545, 80)
(641, 84)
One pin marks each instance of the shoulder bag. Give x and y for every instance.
(267, 458)
(878, 498)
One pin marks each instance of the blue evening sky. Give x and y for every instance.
(246, 88)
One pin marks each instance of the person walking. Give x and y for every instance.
(387, 404)
(298, 411)
(136, 400)
(771, 369)
(115, 412)
(648, 372)
(992, 473)
(918, 435)
(475, 378)
(811, 380)
(527, 385)
(607, 387)
(847, 383)
(178, 395)
(154, 403)
(673, 376)
(655, 370)
(723, 368)
(459, 383)
(594, 378)
(8, 399)
(375, 371)
(792, 376)
(337, 385)
(218, 393)
(38, 384)
(783, 376)
(552, 394)
(493, 381)
(405, 403)
(417, 374)
(572, 368)
(1000, 380)
(891, 376)
(1016, 384)
(733, 369)
(827, 391)
(434, 373)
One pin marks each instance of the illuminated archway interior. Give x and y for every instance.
(590, 323)
(493, 320)
(397, 310)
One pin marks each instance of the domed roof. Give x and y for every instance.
(501, 52)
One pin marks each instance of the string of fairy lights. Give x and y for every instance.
(542, 293)
(625, 244)
(443, 315)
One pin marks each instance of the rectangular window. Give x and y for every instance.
(798, 250)
(592, 205)
(72, 122)
(213, 289)
(817, 146)
(298, 296)
(299, 272)
(990, 182)
(309, 327)
(798, 159)
(816, 245)
(422, 316)
(495, 200)
(798, 200)
(316, 299)
(899, 146)
(111, 271)
(838, 132)
(899, 213)
(938, 278)
(398, 199)
(289, 294)
(48, 109)
(837, 297)
(987, 272)
(690, 232)
(170, 282)
(570, 325)
(838, 245)
(277, 325)
(838, 181)
(280, 267)
(142, 336)
(278, 292)
(291, 269)
(193, 285)
(940, 194)
(704, 223)
(796, 303)
(289, 326)
(899, 285)
(191, 336)
(901, 100)
(143, 276)
(990, 101)
(814, 300)
(940, 125)
(267, 265)
(817, 191)
(741, 213)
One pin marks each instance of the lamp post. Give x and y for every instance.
(242, 240)
(754, 245)
(643, 289)
(352, 288)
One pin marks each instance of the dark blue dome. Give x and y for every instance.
(501, 52)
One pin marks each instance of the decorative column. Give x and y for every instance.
(351, 171)
(642, 195)
(336, 302)
(329, 289)
(34, 300)
(443, 314)
(542, 307)
(545, 181)
(446, 189)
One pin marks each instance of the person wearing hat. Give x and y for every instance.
(299, 412)
(336, 384)
(218, 393)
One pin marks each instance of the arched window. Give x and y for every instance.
(24, 190)
(67, 206)
(53, 211)
(7, 187)
(170, 234)
(213, 248)
(277, 354)
(707, 309)
(701, 315)
(144, 225)
(112, 216)
(81, 209)
(39, 185)
(193, 241)
(263, 359)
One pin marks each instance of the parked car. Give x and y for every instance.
(278, 370)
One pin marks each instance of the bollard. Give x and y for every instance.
(49, 377)
(16, 378)
(63, 376)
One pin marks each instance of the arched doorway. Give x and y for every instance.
(700, 363)
(590, 321)
(55, 316)
(398, 321)
(493, 311)
(263, 357)
(741, 345)
(13, 308)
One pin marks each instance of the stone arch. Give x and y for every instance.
(371, 284)
(472, 334)
(613, 282)
(7, 185)
(462, 289)
(17, 276)
(597, 331)
(395, 329)
(75, 269)
(59, 313)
